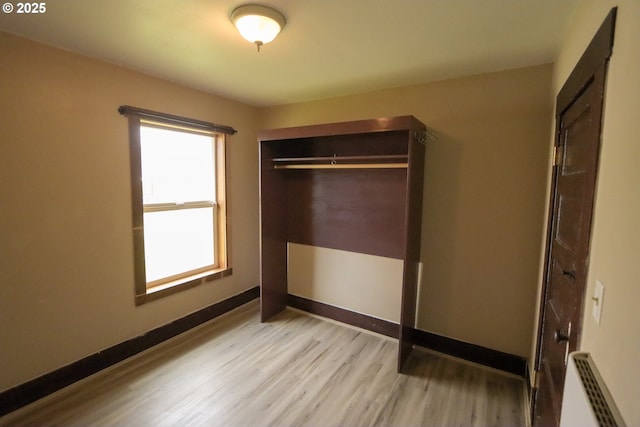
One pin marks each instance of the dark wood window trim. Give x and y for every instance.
(157, 292)
(127, 110)
(143, 292)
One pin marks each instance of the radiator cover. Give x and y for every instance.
(586, 400)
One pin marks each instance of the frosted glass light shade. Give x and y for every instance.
(258, 24)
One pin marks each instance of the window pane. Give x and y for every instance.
(178, 241)
(177, 167)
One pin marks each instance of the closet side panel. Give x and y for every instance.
(273, 237)
(413, 233)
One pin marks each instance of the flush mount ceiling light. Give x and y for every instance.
(258, 24)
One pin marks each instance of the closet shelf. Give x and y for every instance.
(385, 161)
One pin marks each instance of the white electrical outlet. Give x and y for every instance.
(598, 294)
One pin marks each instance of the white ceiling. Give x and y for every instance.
(328, 47)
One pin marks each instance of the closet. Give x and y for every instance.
(352, 186)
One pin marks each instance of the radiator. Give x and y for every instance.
(586, 401)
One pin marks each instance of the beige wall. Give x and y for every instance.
(484, 194)
(66, 257)
(363, 283)
(66, 270)
(615, 246)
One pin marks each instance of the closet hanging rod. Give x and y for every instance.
(371, 158)
(344, 166)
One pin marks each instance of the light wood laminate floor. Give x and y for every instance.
(296, 370)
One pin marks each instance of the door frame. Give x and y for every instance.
(595, 56)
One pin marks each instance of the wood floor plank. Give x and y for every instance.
(296, 370)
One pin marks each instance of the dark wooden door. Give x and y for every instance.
(577, 159)
(577, 148)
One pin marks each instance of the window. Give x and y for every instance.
(178, 199)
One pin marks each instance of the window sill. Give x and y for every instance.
(179, 285)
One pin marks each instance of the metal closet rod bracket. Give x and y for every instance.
(425, 136)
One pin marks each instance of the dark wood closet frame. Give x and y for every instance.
(355, 186)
